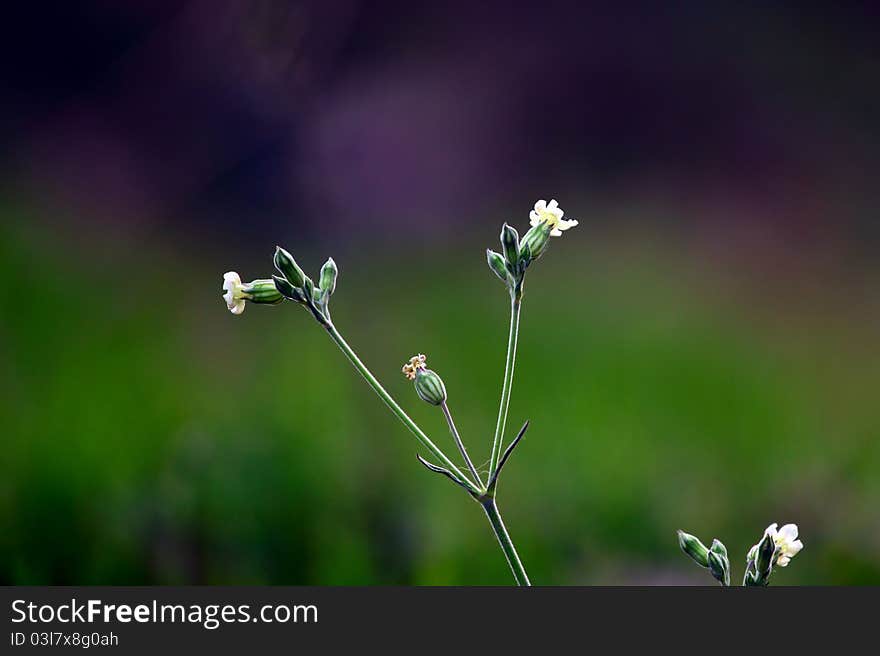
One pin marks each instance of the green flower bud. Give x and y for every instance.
(287, 290)
(719, 566)
(327, 280)
(285, 263)
(525, 256)
(764, 555)
(753, 553)
(537, 239)
(751, 577)
(510, 245)
(719, 548)
(308, 288)
(496, 263)
(262, 291)
(430, 387)
(694, 548)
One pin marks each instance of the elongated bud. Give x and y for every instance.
(751, 576)
(285, 263)
(496, 263)
(308, 288)
(525, 256)
(536, 239)
(753, 553)
(719, 564)
(430, 387)
(510, 245)
(694, 548)
(764, 555)
(719, 548)
(262, 291)
(287, 290)
(327, 281)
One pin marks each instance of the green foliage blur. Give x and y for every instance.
(150, 437)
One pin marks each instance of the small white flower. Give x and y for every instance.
(233, 292)
(551, 214)
(787, 544)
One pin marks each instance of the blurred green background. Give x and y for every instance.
(699, 353)
(152, 437)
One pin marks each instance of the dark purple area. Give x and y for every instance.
(195, 114)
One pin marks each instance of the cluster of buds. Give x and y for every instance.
(714, 558)
(296, 286)
(292, 284)
(776, 548)
(517, 254)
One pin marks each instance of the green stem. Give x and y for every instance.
(487, 501)
(394, 407)
(516, 566)
(515, 303)
(460, 444)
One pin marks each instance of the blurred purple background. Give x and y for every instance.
(746, 122)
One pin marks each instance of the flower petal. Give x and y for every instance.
(231, 279)
(788, 532)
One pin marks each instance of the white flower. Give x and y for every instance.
(233, 292)
(551, 214)
(787, 544)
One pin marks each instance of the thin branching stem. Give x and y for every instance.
(515, 303)
(395, 407)
(460, 444)
(487, 500)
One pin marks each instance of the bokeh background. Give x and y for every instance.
(700, 353)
